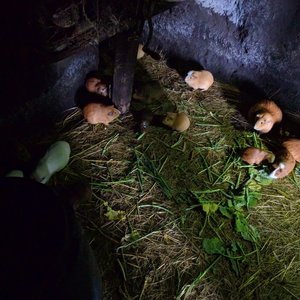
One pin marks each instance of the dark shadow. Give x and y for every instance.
(99, 75)
(145, 118)
(152, 53)
(83, 97)
(250, 94)
(183, 66)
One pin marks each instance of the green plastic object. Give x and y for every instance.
(55, 159)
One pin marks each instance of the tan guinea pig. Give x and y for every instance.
(140, 52)
(293, 146)
(255, 156)
(177, 121)
(95, 85)
(284, 165)
(264, 115)
(96, 113)
(199, 80)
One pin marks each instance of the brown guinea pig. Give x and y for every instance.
(264, 115)
(199, 80)
(255, 156)
(177, 121)
(293, 146)
(95, 85)
(96, 113)
(284, 164)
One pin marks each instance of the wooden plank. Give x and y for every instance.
(125, 60)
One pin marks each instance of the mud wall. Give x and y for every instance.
(254, 44)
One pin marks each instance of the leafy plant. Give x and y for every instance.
(114, 215)
(213, 246)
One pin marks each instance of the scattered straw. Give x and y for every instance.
(159, 195)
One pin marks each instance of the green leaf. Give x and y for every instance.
(226, 212)
(263, 178)
(239, 201)
(247, 231)
(234, 247)
(213, 246)
(210, 208)
(252, 171)
(252, 198)
(233, 262)
(115, 215)
(254, 186)
(229, 203)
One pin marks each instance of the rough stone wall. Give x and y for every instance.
(38, 96)
(254, 44)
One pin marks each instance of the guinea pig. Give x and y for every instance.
(264, 115)
(199, 80)
(95, 85)
(177, 121)
(255, 156)
(293, 146)
(284, 164)
(96, 113)
(140, 52)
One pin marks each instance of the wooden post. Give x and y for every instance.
(125, 60)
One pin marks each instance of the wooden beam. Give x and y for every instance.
(125, 60)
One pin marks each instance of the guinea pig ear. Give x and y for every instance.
(259, 115)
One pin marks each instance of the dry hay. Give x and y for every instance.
(146, 221)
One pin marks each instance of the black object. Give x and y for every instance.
(125, 60)
(43, 253)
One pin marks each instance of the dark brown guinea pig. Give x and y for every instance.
(264, 115)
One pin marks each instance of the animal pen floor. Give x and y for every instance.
(179, 215)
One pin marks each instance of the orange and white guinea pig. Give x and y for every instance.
(284, 164)
(96, 113)
(255, 156)
(293, 146)
(264, 115)
(95, 85)
(199, 80)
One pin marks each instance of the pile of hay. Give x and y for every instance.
(178, 215)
